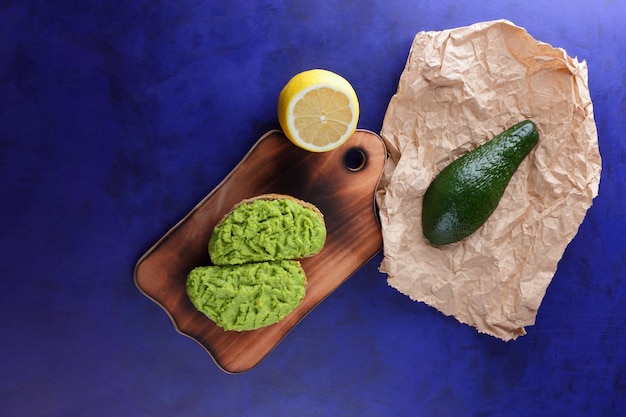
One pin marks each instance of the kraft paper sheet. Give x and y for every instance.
(459, 88)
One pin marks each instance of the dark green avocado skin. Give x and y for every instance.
(465, 193)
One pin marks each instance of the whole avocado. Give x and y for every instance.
(466, 192)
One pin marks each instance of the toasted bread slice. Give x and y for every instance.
(248, 296)
(266, 228)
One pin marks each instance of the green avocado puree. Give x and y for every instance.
(248, 296)
(267, 229)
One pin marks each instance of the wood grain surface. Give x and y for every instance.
(341, 183)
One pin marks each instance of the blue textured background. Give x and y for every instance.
(117, 117)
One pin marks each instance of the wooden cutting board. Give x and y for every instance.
(341, 183)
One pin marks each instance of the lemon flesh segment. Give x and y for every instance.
(322, 117)
(318, 110)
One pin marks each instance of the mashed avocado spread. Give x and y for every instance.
(264, 229)
(249, 296)
(255, 279)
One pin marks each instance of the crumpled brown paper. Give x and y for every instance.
(460, 88)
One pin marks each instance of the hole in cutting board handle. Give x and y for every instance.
(355, 159)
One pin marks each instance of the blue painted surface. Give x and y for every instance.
(117, 117)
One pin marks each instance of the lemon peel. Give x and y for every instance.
(318, 110)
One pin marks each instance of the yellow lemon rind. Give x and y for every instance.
(302, 84)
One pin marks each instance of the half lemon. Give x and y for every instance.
(318, 110)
